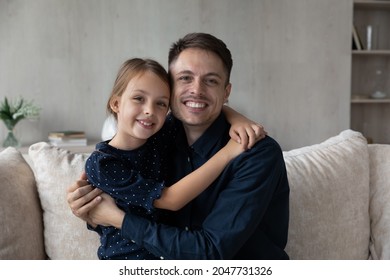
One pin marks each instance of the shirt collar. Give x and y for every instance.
(210, 139)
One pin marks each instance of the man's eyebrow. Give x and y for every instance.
(188, 72)
(214, 74)
(184, 72)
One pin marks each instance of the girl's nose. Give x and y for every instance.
(148, 109)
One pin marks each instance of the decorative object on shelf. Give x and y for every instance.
(356, 41)
(378, 95)
(369, 37)
(13, 112)
(379, 80)
(372, 37)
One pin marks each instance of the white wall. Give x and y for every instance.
(291, 58)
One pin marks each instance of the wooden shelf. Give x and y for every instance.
(369, 115)
(372, 5)
(371, 52)
(369, 100)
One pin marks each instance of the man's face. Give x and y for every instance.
(199, 88)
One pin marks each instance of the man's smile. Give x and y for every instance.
(196, 105)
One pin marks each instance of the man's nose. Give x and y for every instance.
(197, 87)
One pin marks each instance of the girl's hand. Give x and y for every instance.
(233, 149)
(247, 133)
(242, 129)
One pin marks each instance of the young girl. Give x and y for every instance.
(132, 166)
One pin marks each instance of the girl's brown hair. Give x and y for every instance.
(130, 69)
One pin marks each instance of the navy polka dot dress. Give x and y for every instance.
(134, 179)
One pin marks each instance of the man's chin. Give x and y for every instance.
(190, 118)
(195, 121)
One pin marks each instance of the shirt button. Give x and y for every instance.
(161, 257)
(186, 228)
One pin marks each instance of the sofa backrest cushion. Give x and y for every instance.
(329, 199)
(380, 200)
(21, 227)
(66, 236)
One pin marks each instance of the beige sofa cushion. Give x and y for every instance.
(66, 236)
(329, 205)
(21, 234)
(380, 201)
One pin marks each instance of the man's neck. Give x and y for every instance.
(193, 133)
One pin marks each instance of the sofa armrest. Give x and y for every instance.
(21, 231)
(380, 200)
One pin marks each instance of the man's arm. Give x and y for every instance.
(236, 215)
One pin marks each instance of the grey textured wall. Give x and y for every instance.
(291, 58)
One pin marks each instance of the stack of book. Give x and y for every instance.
(67, 138)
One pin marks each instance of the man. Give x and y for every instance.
(245, 213)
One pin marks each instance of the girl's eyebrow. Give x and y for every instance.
(140, 90)
(145, 92)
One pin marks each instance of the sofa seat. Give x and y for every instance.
(339, 203)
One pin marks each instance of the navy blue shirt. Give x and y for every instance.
(244, 214)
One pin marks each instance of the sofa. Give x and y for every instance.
(339, 206)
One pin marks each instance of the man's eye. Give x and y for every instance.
(185, 78)
(211, 82)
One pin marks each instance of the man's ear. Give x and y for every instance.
(228, 89)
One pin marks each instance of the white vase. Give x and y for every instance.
(109, 128)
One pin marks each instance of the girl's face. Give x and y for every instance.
(141, 110)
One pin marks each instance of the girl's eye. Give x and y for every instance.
(138, 98)
(162, 104)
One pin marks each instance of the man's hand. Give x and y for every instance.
(107, 213)
(82, 197)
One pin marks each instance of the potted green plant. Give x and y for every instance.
(13, 112)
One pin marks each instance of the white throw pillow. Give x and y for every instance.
(21, 229)
(66, 236)
(329, 201)
(380, 200)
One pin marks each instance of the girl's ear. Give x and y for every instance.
(114, 104)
